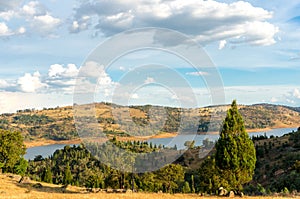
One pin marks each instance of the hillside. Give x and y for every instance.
(278, 162)
(58, 123)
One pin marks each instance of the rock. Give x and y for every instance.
(96, 190)
(222, 191)
(109, 190)
(242, 194)
(24, 180)
(231, 194)
(128, 191)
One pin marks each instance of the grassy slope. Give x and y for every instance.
(276, 158)
(10, 188)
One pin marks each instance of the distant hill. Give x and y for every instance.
(58, 123)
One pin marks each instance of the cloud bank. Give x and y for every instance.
(207, 21)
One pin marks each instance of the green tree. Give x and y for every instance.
(193, 184)
(235, 157)
(209, 176)
(170, 176)
(47, 176)
(67, 175)
(186, 187)
(21, 167)
(12, 149)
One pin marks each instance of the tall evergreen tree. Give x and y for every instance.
(47, 176)
(67, 175)
(235, 157)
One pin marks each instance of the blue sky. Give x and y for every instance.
(255, 45)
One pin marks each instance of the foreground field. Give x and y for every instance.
(10, 188)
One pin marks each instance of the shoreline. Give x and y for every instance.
(44, 142)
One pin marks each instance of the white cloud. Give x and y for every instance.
(92, 78)
(222, 44)
(31, 83)
(62, 78)
(296, 93)
(58, 70)
(33, 16)
(208, 21)
(21, 30)
(198, 73)
(30, 8)
(33, 8)
(135, 96)
(4, 30)
(80, 24)
(4, 83)
(45, 23)
(7, 15)
(149, 80)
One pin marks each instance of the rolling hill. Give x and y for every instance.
(114, 120)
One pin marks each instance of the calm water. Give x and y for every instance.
(44, 151)
(179, 141)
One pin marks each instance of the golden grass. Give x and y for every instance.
(10, 188)
(44, 142)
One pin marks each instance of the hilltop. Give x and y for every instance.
(56, 124)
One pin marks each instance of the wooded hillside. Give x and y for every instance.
(58, 123)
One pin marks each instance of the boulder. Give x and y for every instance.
(24, 180)
(128, 191)
(109, 191)
(222, 191)
(231, 194)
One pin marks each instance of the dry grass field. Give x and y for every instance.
(10, 188)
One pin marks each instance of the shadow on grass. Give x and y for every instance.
(35, 186)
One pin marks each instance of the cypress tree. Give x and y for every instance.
(235, 157)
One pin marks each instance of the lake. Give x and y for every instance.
(179, 141)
